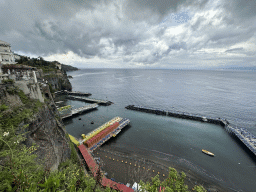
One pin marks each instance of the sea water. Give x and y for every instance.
(226, 94)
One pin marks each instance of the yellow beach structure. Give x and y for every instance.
(73, 139)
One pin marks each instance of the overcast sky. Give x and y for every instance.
(133, 33)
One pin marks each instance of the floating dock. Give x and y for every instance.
(59, 102)
(94, 168)
(103, 133)
(116, 130)
(79, 110)
(91, 100)
(242, 134)
(75, 93)
(101, 128)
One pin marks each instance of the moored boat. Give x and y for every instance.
(207, 152)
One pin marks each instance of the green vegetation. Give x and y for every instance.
(51, 89)
(175, 182)
(12, 90)
(22, 173)
(6, 81)
(19, 170)
(68, 68)
(65, 107)
(46, 66)
(3, 107)
(74, 157)
(39, 63)
(12, 118)
(30, 104)
(57, 81)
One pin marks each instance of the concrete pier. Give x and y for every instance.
(90, 100)
(248, 139)
(242, 134)
(75, 93)
(80, 110)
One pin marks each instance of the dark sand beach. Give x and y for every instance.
(128, 167)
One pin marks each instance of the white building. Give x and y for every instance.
(58, 65)
(6, 55)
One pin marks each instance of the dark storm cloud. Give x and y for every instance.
(64, 39)
(143, 31)
(241, 9)
(47, 26)
(145, 9)
(66, 8)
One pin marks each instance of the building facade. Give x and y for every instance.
(6, 55)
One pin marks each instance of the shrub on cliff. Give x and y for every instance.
(174, 182)
(20, 171)
(8, 81)
(3, 107)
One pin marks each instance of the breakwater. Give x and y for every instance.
(247, 138)
(183, 115)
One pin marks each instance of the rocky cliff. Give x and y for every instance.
(43, 125)
(47, 132)
(57, 81)
(52, 72)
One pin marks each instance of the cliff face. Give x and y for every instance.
(57, 81)
(31, 89)
(43, 124)
(7, 98)
(48, 133)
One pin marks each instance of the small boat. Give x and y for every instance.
(92, 122)
(204, 119)
(207, 152)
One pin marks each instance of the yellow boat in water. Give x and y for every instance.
(207, 152)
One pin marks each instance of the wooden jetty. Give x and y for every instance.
(91, 100)
(248, 139)
(80, 110)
